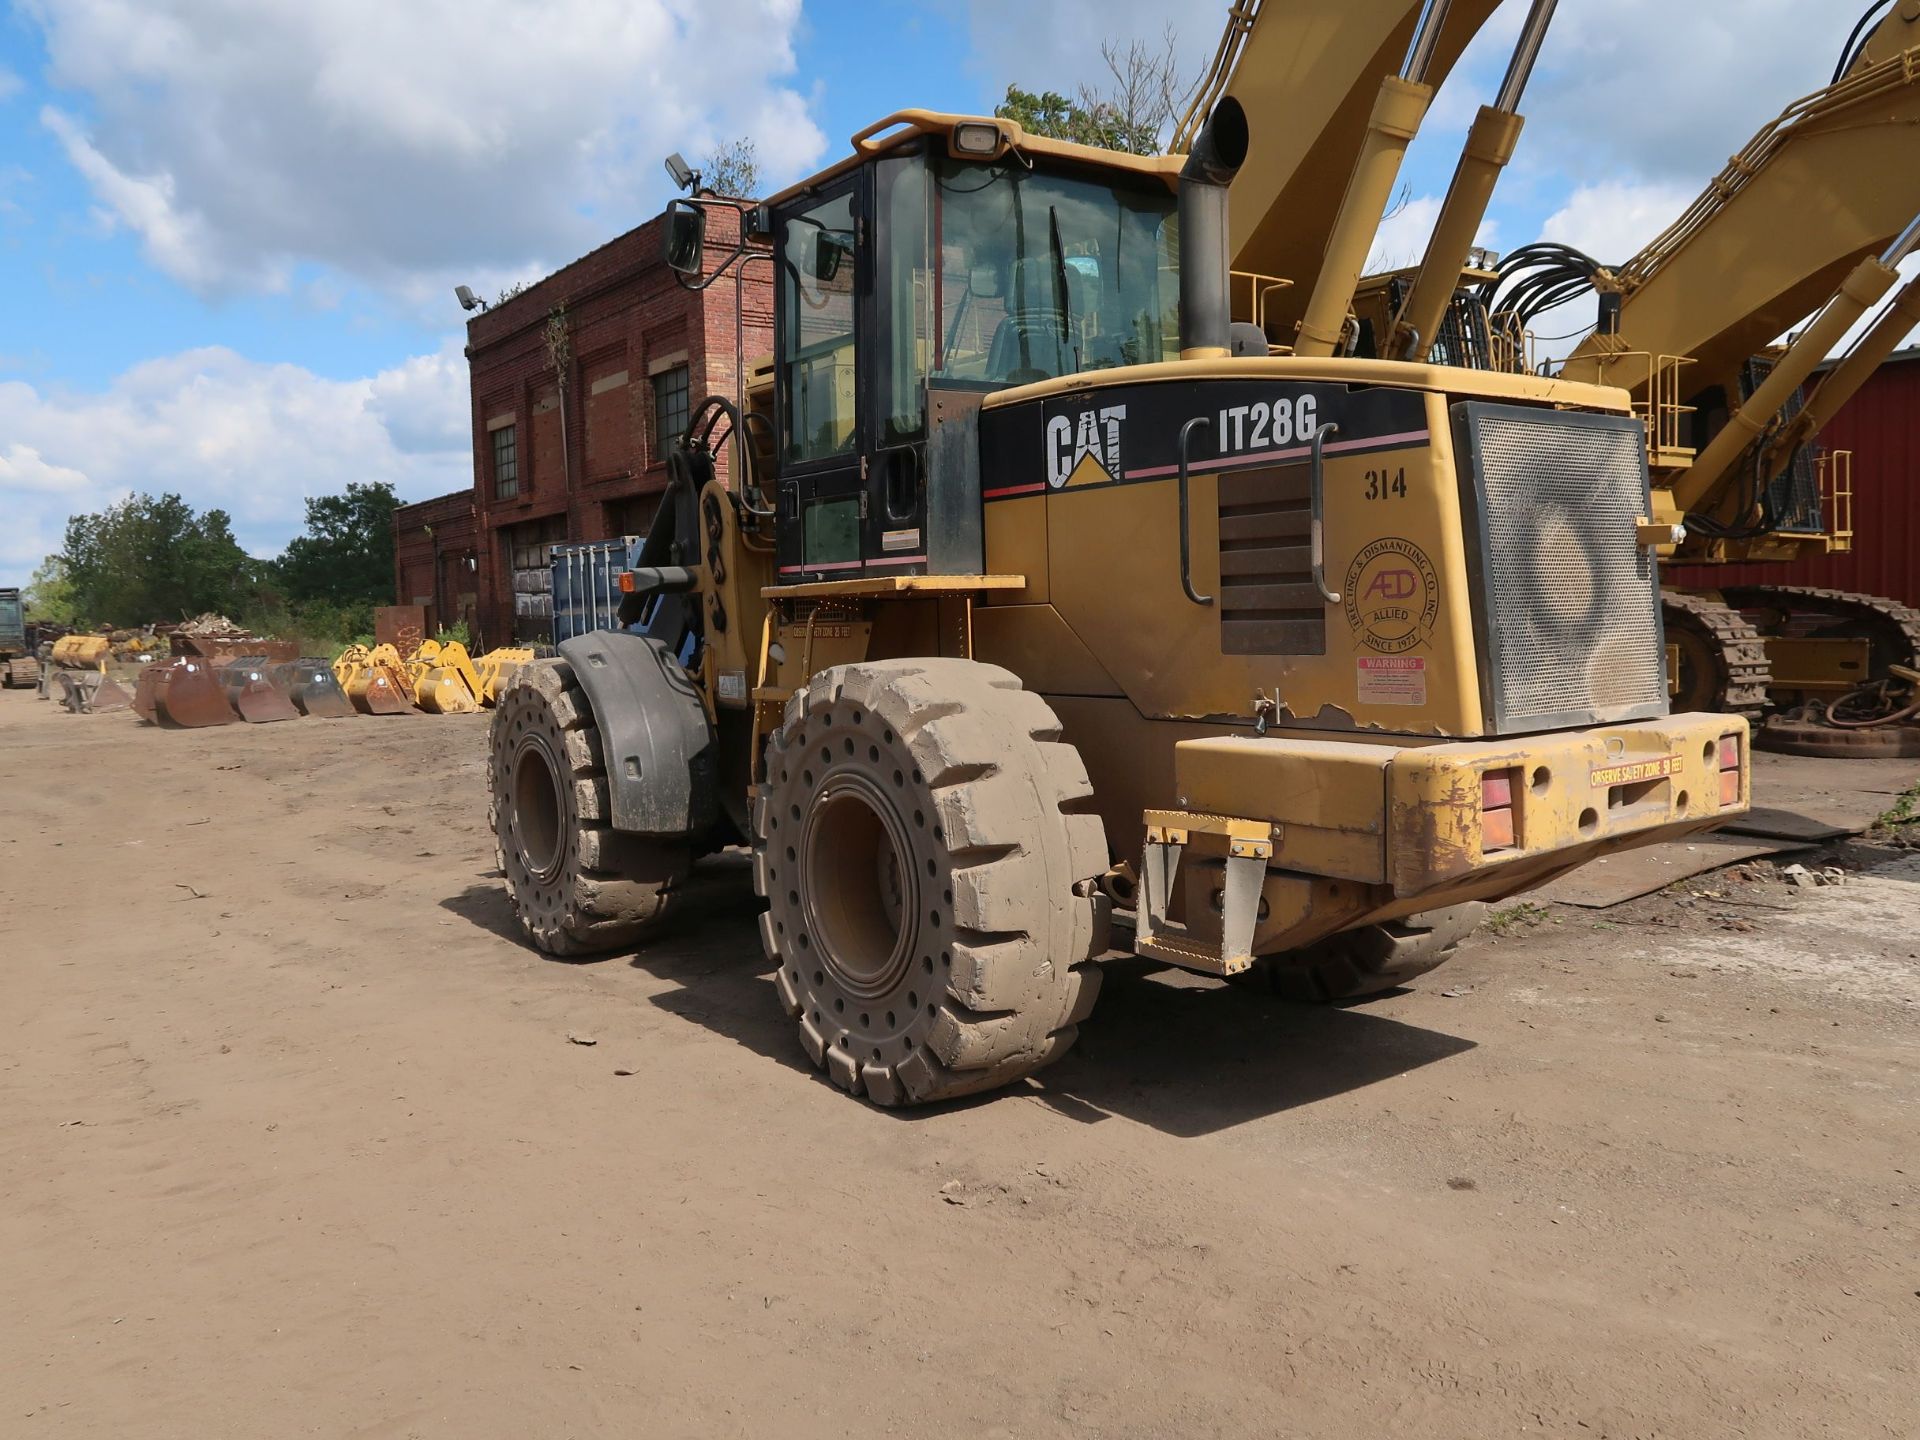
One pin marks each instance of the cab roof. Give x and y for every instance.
(904, 126)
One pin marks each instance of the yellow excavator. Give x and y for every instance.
(1044, 615)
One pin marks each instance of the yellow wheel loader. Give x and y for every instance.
(1040, 615)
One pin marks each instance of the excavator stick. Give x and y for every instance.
(252, 693)
(182, 694)
(311, 686)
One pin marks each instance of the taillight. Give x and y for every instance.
(626, 582)
(1497, 828)
(1729, 770)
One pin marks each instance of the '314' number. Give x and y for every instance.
(1387, 484)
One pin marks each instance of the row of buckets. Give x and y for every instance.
(193, 691)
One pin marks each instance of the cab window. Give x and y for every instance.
(816, 289)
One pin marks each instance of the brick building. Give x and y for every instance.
(436, 559)
(576, 451)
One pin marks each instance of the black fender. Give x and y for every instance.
(658, 745)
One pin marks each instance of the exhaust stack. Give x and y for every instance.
(1218, 153)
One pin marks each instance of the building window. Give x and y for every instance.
(669, 409)
(506, 464)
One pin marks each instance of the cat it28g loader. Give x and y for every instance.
(1041, 614)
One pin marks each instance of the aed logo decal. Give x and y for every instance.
(1094, 437)
(1392, 585)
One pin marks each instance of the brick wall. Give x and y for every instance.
(590, 465)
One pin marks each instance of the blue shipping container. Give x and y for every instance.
(586, 586)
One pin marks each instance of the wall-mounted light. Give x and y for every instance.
(468, 300)
(684, 175)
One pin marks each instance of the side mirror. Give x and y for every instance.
(684, 238)
(827, 252)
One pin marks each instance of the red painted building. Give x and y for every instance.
(1881, 426)
(580, 384)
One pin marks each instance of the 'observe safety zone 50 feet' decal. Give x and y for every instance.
(1129, 434)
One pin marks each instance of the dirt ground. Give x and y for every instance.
(294, 1141)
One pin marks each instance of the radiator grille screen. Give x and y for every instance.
(1569, 621)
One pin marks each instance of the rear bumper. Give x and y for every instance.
(1280, 840)
(1456, 809)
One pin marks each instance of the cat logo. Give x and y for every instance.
(1086, 451)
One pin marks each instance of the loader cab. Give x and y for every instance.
(944, 263)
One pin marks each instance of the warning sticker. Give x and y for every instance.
(1392, 679)
(1636, 772)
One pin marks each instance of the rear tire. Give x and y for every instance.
(1367, 961)
(578, 885)
(925, 845)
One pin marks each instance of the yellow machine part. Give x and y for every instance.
(82, 652)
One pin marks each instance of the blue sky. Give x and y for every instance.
(229, 231)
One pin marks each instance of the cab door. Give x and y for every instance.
(821, 285)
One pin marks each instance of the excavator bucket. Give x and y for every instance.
(383, 694)
(182, 694)
(497, 668)
(445, 683)
(311, 685)
(89, 692)
(375, 681)
(443, 691)
(254, 696)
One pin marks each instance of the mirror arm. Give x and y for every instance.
(743, 247)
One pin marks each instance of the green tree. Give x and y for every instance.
(733, 170)
(1132, 112)
(346, 556)
(153, 558)
(49, 592)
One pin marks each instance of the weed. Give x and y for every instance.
(1523, 916)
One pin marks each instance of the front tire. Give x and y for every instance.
(578, 885)
(926, 849)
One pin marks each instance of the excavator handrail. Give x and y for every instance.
(1891, 74)
(1241, 16)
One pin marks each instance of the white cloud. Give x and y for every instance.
(1613, 219)
(10, 84)
(222, 430)
(1401, 240)
(23, 468)
(1663, 90)
(392, 141)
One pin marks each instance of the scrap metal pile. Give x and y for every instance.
(219, 674)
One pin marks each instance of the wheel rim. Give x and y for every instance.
(858, 889)
(537, 811)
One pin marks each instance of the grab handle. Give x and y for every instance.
(1316, 521)
(1186, 555)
